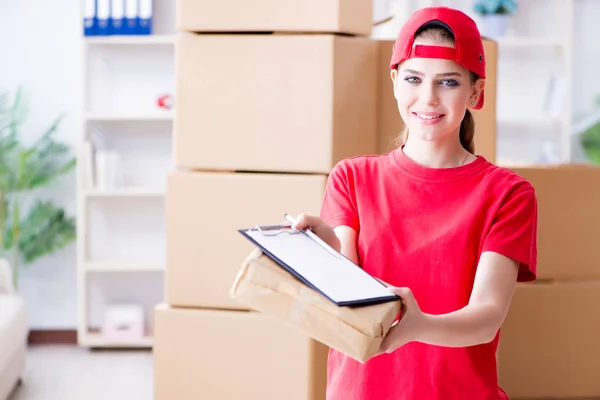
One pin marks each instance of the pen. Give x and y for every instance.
(314, 236)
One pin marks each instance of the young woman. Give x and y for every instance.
(450, 231)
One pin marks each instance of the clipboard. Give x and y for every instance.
(319, 266)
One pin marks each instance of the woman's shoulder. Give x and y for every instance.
(507, 179)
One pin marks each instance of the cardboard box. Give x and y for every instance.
(234, 355)
(357, 332)
(389, 122)
(568, 220)
(549, 345)
(322, 16)
(286, 103)
(203, 213)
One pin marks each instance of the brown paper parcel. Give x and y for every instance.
(264, 286)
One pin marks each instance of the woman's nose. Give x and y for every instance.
(429, 94)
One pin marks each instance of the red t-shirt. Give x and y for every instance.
(425, 229)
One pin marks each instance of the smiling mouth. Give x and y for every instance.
(428, 117)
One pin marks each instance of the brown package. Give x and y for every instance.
(568, 220)
(352, 17)
(549, 346)
(357, 332)
(204, 354)
(315, 94)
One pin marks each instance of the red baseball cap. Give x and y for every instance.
(468, 46)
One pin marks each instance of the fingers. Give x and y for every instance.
(403, 292)
(303, 221)
(406, 296)
(385, 345)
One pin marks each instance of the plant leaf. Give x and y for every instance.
(18, 112)
(46, 160)
(590, 142)
(45, 230)
(4, 224)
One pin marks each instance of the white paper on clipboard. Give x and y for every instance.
(325, 270)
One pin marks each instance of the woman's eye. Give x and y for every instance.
(449, 82)
(412, 79)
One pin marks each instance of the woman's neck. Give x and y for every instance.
(437, 155)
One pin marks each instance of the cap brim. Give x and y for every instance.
(436, 22)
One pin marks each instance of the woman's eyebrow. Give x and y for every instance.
(412, 71)
(445, 74)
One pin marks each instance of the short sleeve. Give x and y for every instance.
(339, 202)
(514, 232)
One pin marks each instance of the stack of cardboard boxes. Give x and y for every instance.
(270, 95)
(549, 346)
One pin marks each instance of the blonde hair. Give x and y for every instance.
(467, 126)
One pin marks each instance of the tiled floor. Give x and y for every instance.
(72, 373)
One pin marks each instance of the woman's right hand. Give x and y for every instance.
(319, 227)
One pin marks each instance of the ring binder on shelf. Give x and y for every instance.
(318, 266)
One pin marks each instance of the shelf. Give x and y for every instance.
(523, 42)
(126, 192)
(153, 116)
(125, 266)
(130, 40)
(122, 253)
(93, 339)
(537, 121)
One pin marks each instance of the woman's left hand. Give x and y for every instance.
(409, 327)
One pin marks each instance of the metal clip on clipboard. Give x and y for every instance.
(286, 228)
(274, 230)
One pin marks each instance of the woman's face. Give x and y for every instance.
(433, 94)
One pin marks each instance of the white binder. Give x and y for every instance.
(89, 18)
(103, 17)
(117, 17)
(146, 14)
(131, 22)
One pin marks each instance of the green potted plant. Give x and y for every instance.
(589, 135)
(30, 231)
(494, 14)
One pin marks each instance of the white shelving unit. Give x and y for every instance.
(127, 40)
(532, 116)
(123, 165)
(150, 116)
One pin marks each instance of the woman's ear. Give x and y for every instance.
(394, 76)
(476, 91)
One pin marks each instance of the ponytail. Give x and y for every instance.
(467, 133)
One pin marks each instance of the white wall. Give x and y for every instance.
(40, 44)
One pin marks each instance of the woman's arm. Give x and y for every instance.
(347, 237)
(476, 323)
(479, 321)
